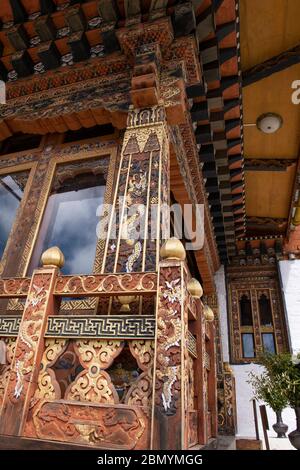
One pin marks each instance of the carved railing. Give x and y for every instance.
(89, 410)
(89, 285)
(108, 285)
(16, 288)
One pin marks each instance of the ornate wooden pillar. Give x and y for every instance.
(142, 184)
(202, 381)
(30, 345)
(230, 426)
(212, 380)
(142, 187)
(169, 407)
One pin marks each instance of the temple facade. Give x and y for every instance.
(149, 221)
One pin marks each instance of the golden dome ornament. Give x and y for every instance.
(53, 257)
(227, 368)
(208, 313)
(173, 249)
(126, 300)
(195, 289)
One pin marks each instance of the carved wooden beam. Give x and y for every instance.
(95, 285)
(106, 284)
(276, 64)
(17, 287)
(29, 350)
(266, 223)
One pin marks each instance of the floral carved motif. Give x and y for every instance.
(93, 386)
(47, 387)
(28, 354)
(143, 351)
(169, 339)
(140, 392)
(18, 287)
(29, 335)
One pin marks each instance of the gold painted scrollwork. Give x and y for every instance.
(99, 351)
(94, 386)
(143, 351)
(140, 392)
(4, 376)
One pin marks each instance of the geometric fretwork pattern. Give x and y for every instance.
(112, 326)
(119, 326)
(9, 325)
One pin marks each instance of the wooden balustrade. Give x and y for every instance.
(87, 285)
(175, 377)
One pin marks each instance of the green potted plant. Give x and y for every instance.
(270, 389)
(292, 378)
(279, 386)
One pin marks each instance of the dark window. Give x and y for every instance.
(268, 342)
(246, 311)
(248, 345)
(71, 217)
(19, 143)
(11, 192)
(265, 311)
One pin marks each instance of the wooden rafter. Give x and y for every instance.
(276, 64)
(268, 164)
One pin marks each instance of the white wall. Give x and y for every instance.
(290, 278)
(244, 396)
(222, 301)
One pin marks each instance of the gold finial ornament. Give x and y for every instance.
(195, 289)
(173, 249)
(126, 300)
(53, 257)
(227, 368)
(296, 217)
(208, 313)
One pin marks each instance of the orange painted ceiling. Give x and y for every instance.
(268, 28)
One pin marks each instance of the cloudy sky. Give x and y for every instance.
(70, 222)
(10, 195)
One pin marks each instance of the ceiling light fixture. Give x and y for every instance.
(269, 123)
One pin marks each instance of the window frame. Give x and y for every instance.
(70, 156)
(7, 170)
(255, 281)
(60, 153)
(88, 305)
